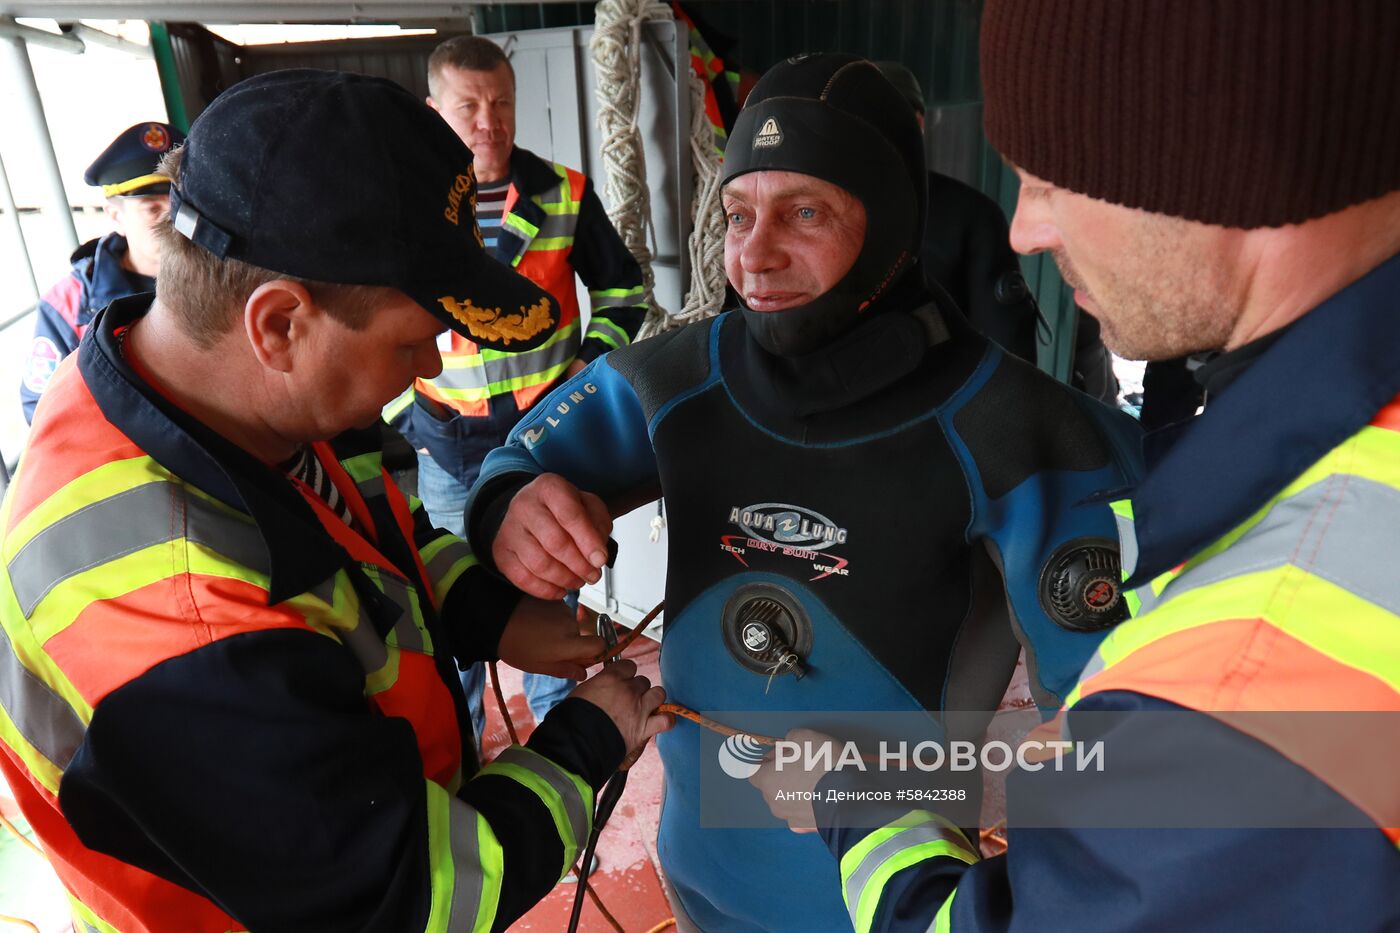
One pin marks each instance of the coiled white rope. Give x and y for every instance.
(616, 49)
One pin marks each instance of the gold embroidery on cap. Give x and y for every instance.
(490, 325)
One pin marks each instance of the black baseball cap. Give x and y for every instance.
(352, 180)
(127, 167)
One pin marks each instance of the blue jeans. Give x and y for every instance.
(445, 498)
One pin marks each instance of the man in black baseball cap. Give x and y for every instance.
(123, 262)
(254, 721)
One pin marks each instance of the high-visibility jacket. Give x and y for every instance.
(1250, 712)
(225, 708)
(64, 312)
(554, 228)
(721, 83)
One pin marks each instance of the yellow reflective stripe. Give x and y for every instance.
(608, 332)
(520, 225)
(1303, 606)
(943, 920)
(545, 244)
(492, 859)
(397, 406)
(35, 762)
(560, 208)
(552, 801)
(1122, 508)
(1373, 453)
(869, 865)
(28, 650)
(478, 874)
(364, 468)
(97, 484)
(130, 572)
(83, 913)
(559, 336)
(443, 577)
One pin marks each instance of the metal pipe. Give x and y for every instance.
(97, 37)
(26, 88)
(63, 43)
(12, 212)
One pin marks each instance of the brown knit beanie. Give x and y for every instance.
(1242, 113)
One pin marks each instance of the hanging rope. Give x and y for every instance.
(616, 48)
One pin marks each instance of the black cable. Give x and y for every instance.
(607, 801)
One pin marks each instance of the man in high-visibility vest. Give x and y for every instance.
(123, 262)
(1208, 177)
(544, 220)
(228, 700)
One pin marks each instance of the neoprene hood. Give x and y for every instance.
(835, 117)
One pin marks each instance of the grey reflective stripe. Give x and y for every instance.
(239, 541)
(325, 590)
(616, 301)
(1127, 544)
(466, 866)
(409, 636)
(365, 644)
(443, 560)
(1095, 667)
(1147, 598)
(557, 225)
(87, 927)
(1341, 529)
(123, 524)
(372, 487)
(513, 366)
(916, 835)
(42, 716)
(574, 806)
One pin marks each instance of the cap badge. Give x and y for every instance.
(769, 135)
(155, 138)
(489, 325)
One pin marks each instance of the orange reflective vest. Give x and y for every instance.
(185, 730)
(537, 238)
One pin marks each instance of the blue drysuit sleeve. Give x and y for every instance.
(591, 430)
(1051, 515)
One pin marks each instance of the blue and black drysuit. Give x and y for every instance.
(881, 491)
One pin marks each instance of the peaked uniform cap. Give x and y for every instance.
(127, 167)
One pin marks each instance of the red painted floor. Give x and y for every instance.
(627, 879)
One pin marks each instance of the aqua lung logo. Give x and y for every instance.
(566, 404)
(788, 525)
(740, 756)
(533, 437)
(769, 135)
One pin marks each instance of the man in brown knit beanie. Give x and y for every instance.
(1209, 175)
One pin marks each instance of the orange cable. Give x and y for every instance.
(501, 702)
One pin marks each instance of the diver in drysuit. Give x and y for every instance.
(870, 507)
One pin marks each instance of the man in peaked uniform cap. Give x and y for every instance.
(124, 262)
